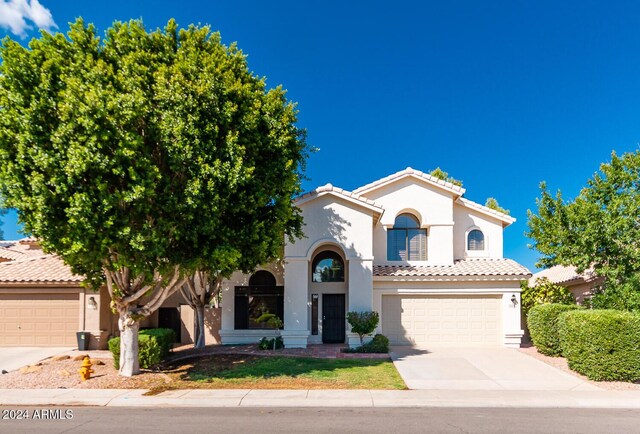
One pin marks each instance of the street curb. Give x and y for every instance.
(321, 398)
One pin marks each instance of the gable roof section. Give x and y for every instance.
(37, 270)
(462, 269)
(349, 196)
(411, 173)
(504, 218)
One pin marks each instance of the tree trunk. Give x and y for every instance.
(129, 364)
(199, 337)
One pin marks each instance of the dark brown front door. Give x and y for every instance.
(333, 318)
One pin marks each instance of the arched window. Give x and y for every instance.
(406, 241)
(262, 278)
(327, 267)
(262, 295)
(475, 240)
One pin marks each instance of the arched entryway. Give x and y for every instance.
(328, 292)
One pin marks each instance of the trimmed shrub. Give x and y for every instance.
(363, 323)
(379, 344)
(267, 344)
(602, 344)
(153, 346)
(542, 321)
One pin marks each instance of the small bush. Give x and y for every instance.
(603, 344)
(153, 347)
(379, 344)
(543, 327)
(363, 323)
(267, 344)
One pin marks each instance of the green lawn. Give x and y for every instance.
(236, 371)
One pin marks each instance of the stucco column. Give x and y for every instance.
(360, 291)
(296, 308)
(511, 316)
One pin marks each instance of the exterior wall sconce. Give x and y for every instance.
(514, 300)
(92, 304)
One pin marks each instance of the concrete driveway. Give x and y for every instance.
(496, 368)
(12, 358)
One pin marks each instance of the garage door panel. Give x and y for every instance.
(441, 320)
(38, 319)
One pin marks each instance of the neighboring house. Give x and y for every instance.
(42, 303)
(408, 246)
(580, 285)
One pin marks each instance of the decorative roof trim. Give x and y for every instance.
(341, 193)
(410, 172)
(486, 210)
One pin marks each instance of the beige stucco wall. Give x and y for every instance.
(467, 219)
(332, 220)
(432, 206)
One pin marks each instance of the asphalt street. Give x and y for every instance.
(317, 420)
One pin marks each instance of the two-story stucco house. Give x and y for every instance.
(408, 246)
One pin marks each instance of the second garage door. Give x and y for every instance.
(442, 320)
(38, 319)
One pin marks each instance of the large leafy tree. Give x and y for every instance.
(599, 229)
(142, 157)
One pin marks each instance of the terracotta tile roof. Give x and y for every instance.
(342, 192)
(37, 269)
(476, 267)
(24, 248)
(11, 254)
(562, 274)
(456, 189)
(486, 210)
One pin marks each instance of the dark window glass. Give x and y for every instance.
(262, 278)
(475, 240)
(406, 241)
(260, 297)
(327, 267)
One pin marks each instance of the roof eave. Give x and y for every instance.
(506, 219)
(368, 188)
(465, 278)
(310, 197)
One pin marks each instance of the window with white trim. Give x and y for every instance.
(475, 240)
(406, 241)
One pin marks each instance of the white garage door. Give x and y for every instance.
(442, 320)
(39, 320)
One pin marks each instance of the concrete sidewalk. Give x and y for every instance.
(323, 398)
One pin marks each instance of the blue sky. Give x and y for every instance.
(501, 95)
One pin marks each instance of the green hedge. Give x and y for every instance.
(542, 321)
(602, 344)
(153, 347)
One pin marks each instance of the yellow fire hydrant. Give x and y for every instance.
(85, 369)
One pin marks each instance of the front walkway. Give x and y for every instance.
(496, 368)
